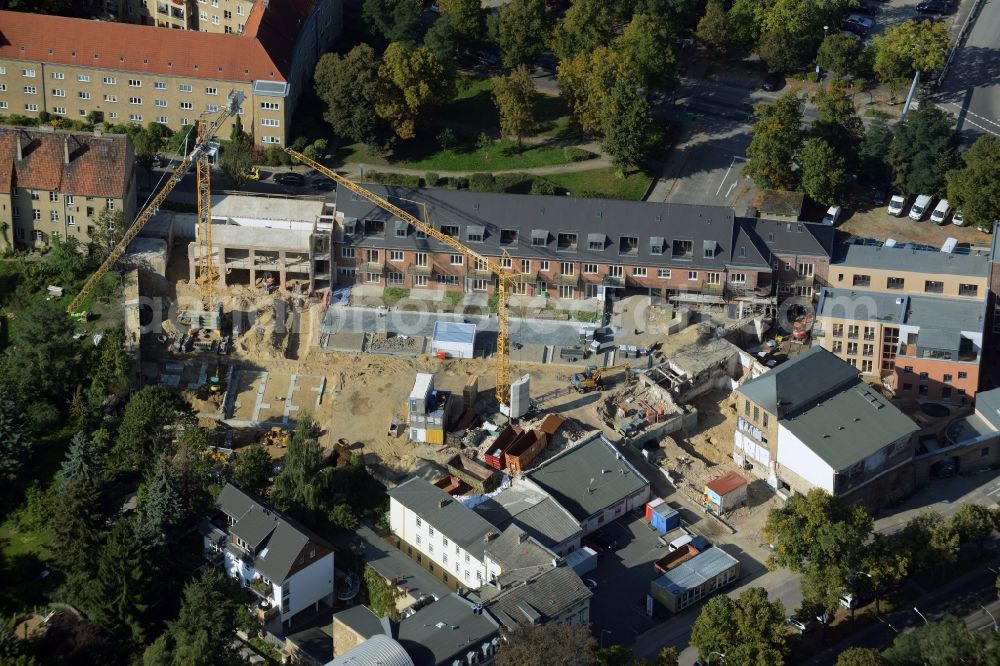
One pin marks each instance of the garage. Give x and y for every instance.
(453, 340)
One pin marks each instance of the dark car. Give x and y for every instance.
(881, 194)
(854, 28)
(289, 179)
(933, 8)
(325, 185)
(773, 81)
(868, 9)
(601, 543)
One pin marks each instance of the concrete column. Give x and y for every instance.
(253, 270)
(221, 266)
(192, 264)
(281, 270)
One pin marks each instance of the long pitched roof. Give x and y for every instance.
(546, 596)
(263, 52)
(709, 229)
(799, 381)
(98, 166)
(447, 629)
(532, 511)
(460, 524)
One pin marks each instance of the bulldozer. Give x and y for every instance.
(277, 437)
(592, 378)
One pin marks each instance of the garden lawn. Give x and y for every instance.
(603, 183)
(465, 157)
(472, 107)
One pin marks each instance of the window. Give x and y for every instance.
(3, 87)
(347, 253)
(525, 265)
(738, 278)
(3, 104)
(215, 19)
(135, 117)
(590, 269)
(866, 366)
(395, 255)
(71, 220)
(211, 91)
(58, 76)
(567, 268)
(110, 98)
(162, 120)
(838, 330)
(852, 332)
(90, 211)
(540, 239)
(56, 92)
(450, 230)
(868, 350)
(456, 260)
(135, 101)
(270, 139)
(639, 271)
(543, 266)
(473, 235)
(663, 273)
(59, 110)
(922, 389)
(36, 214)
(946, 379)
(187, 106)
(203, 15)
(184, 87)
(420, 259)
(963, 375)
(923, 376)
(53, 197)
(134, 83)
(226, 14)
(837, 347)
(30, 90)
(28, 73)
(692, 275)
(239, 10)
(270, 122)
(109, 204)
(211, 108)
(506, 262)
(862, 280)
(269, 106)
(83, 78)
(53, 216)
(160, 85)
(83, 95)
(31, 107)
(852, 348)
(419, 280)
(894, 283)
(628, 245)
(109, 80)
(968, 290)
(418, 540)
(566, 242)
(479, 285)
(933, 287)
(160, 103)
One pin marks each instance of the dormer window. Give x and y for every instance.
(508, 236)
(375, 228)
(628, 245)
(402, 228)
(450, 230)
(539, 238)
(596, 242)
(475, 233)
(566, 242)
(656, 244)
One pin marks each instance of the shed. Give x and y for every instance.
(662, 516)
(453, 339)
(725, 493)
(582, 560)
(779, 205)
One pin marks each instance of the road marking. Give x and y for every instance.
(994, 491)
(735, 157)
(972, 122)
(732, 187)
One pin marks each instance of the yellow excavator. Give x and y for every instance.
(592, 378)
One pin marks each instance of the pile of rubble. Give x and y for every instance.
(381, 342)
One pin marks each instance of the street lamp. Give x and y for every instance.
(825, 28)
(921, 615)
(708, 659)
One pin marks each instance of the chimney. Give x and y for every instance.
(66, 149)
(20, 152)
(443, 503)
(522, 537)
(489, 536)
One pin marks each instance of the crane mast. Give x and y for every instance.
(505, 277)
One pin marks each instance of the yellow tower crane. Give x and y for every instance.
(505, 276)
(200, 156)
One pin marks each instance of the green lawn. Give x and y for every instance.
(15, 541)
(425, 155)
(473, 105)
(603, 183)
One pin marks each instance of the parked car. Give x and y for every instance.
(920, 207)
(933, 8)
(853, 29)
(897, 205)
(940, 213)
(868, 9)
(289, 178)
(803, 624)
(832, 216)
(856, 19)
(773, 81)
(324, 184)
(958, 218)
(880, 195)
(601, 543)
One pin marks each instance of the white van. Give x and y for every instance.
(832, 215)
(679, 542)
(919, 209)
(958, 218)
(940, 212)
(897, 204)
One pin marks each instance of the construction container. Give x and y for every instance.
(477, 475)
(495, 454)
(662, 516)
(725, 493)
(422, 388)
(523, 450)
(453, 339)
(434, 436)
(675, 558)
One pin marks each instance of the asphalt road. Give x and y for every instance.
(971, 89)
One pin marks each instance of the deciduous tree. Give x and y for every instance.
(822, 171)
(586, 25)
(947, 641)
(548, 645)
(148, 424)
(238, 158)
(466, 18)
(348, 85)
(648, 47)
(748, 630)
(412, 82)
(393, 20)
(109, 227)
(253, 469)
(586, 81)
(521, 31)
(839, 54)
(41, 363)
(975, 523)
(777, 136)
(443, 40)
(514, 96)
(930, 541)
(714, 29)
(975, 188)
(873, 149)
(837, 121)
(856, 656)
(912, 46)
(628, 127)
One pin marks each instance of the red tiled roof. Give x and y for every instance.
(97, 166)
(264, 51)
(726, 484)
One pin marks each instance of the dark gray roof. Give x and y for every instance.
(849, 425)
(362, 620)
(315, 640)
(376, 651)
(910, 259)
(798, 238)
(547, 594)
(988, 406)
(546, 217)
(514, 550)
(531, 510)
(460, 524)
(779, 202)
(800, 381)
(277, 539)
(445, 630)
(392, 564)
(588, 478)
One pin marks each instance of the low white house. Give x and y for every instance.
(288, 567)
(454, 339)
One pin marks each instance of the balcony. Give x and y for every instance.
(177, 13)
(414, 269)
(613, 281)
(480, 273)
(525, 277)
(712, 289)
(372, 266)
(162, 9)
(736, 291)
